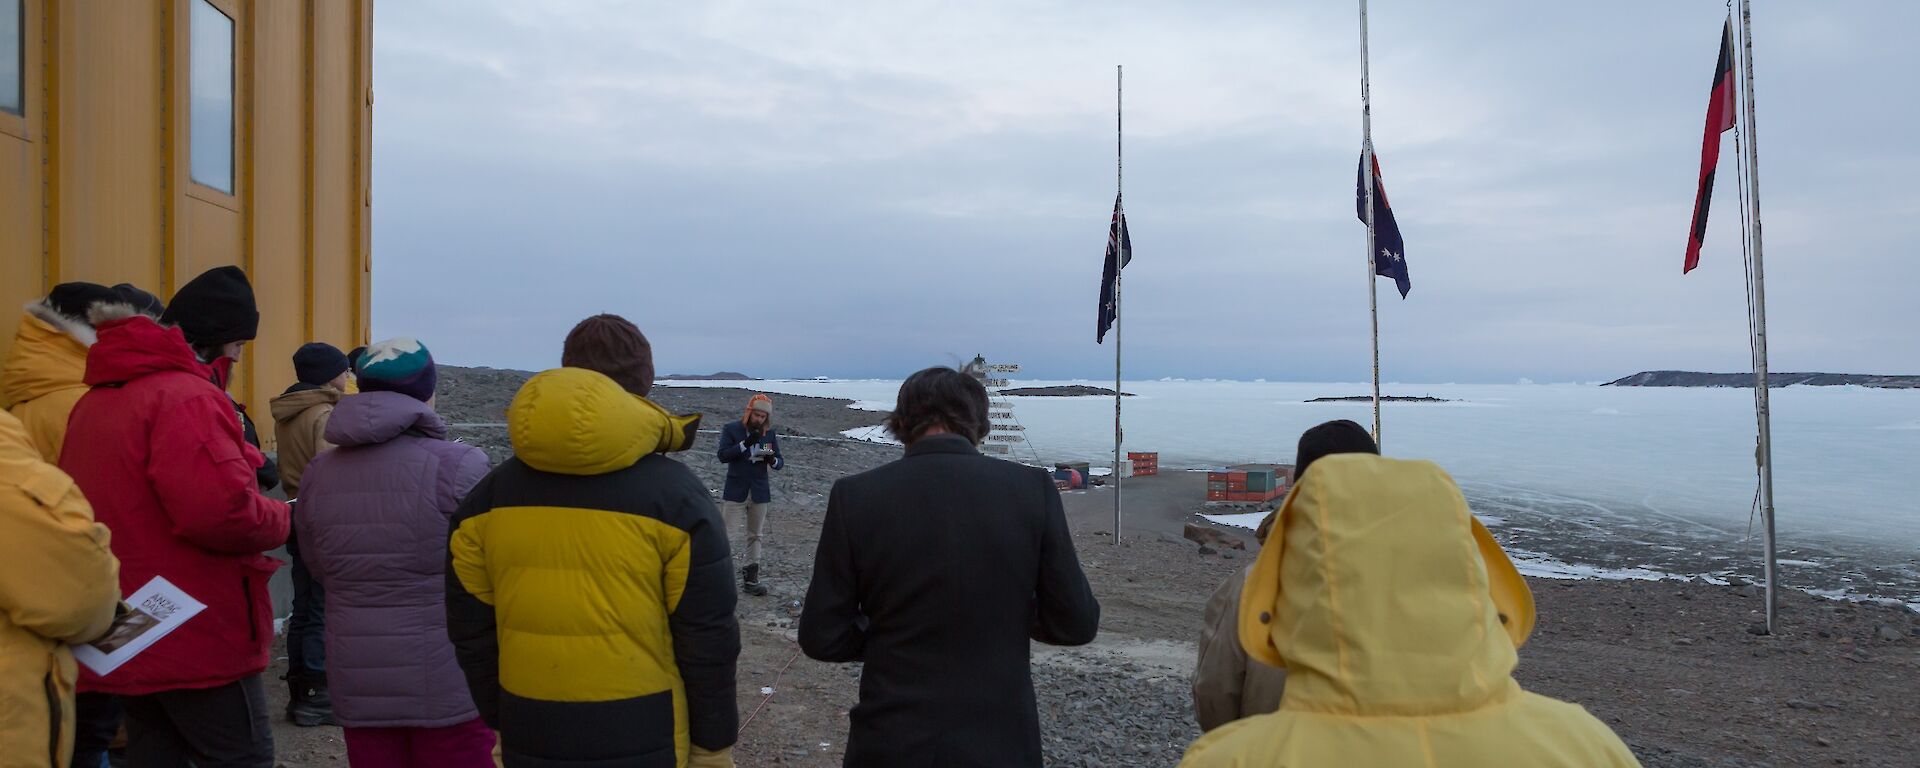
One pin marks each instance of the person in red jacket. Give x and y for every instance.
(157, 447)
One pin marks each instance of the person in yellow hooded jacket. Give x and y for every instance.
(59, 584)
(41, 378)
(590, 591)
(1397, 617)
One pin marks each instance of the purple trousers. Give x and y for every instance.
(467, 745)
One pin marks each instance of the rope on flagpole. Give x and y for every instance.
(1746, 265)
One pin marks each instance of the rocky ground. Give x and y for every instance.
(1671, 666)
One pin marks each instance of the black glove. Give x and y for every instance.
(753, 436)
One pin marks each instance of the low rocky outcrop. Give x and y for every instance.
(1774, 380)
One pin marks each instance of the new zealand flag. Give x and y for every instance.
(1390, 252)
(1119, 252)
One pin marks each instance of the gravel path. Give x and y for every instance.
(1669, 665)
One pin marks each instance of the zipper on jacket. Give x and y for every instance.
(53, 716)
(253, 620)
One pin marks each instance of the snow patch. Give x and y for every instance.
(875, 434)
(1249, 520)
(1539, 566)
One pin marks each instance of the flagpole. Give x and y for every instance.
(1762, 395)
(1366, 173)
(1118, 317)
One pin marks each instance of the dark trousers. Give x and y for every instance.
(223, 727)
(306, 628)
(96, 719)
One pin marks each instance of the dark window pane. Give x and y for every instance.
(210, 129)
(12, 56)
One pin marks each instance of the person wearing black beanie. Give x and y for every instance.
(217, 315)
(214, 311)
(169, 470)
(300, 417)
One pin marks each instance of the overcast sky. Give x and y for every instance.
(858, 188)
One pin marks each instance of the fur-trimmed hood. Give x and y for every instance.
(49, 354)
(108, 311)
(79, 328)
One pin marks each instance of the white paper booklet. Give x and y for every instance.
(156, 609)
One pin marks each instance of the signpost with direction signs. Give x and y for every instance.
(1006, 430)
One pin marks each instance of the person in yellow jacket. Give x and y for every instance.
(59, 584)
(1397, 617)
(590, 592)
(41, 379)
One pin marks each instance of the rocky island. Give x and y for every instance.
(721, 376)
(1383, 398)
(1076, 390)
(1774, 380)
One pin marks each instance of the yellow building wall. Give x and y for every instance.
(94, 175)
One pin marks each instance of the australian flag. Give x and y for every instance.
(1119, 252)
(1390, 252)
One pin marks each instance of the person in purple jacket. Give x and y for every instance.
(373, 530)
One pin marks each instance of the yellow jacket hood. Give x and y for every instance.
(1397, 618)
(49, 354)
(1374, 591)
(573, 421)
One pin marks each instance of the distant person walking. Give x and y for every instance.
(751, 450)
(167, 468)
(1397, 621)
(372, 521)
(300, 422)
(937, 570)
(589, 593)
(59, 584)
(1225, 686)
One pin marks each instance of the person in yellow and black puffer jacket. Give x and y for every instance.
(590, 592)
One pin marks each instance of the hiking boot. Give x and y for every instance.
(750, 581)
(309, 705)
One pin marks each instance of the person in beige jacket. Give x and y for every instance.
(59, 584)
(300, 414)
(300, 418)
(1225, 686)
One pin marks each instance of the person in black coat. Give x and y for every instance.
(936, 570)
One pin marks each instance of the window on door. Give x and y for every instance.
(13, 56)
(210, 117)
